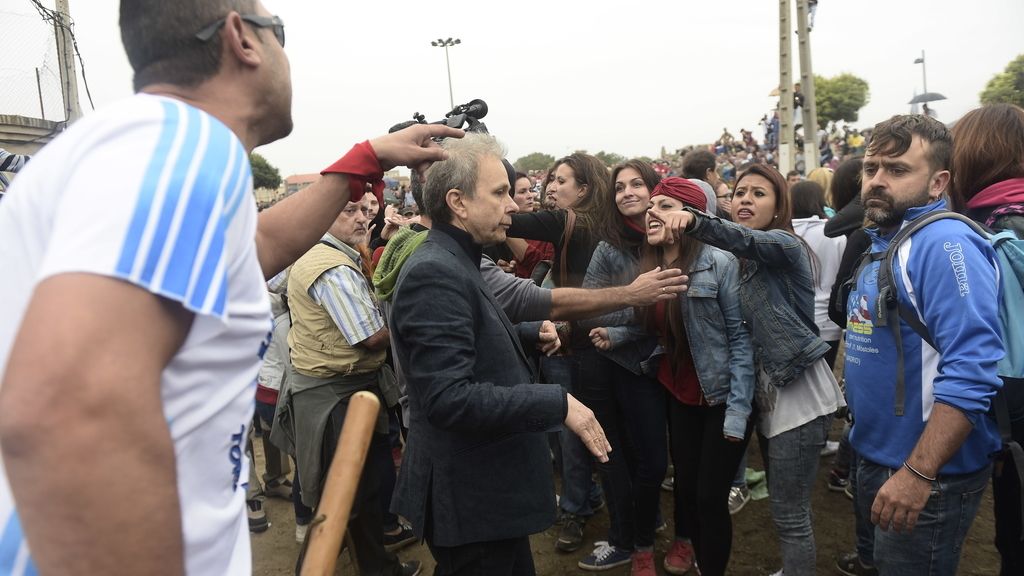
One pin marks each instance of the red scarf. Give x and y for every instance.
(1006, 192)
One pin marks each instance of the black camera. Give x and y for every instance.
(464, 116)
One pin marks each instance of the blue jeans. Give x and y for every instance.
(862, 518)
(580, 494)
(793, 458)
(933, 547)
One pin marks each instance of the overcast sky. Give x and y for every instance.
(625, 77)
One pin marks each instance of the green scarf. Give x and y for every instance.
(398, 250)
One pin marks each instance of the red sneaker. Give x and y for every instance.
(679, 559)
(643, 564)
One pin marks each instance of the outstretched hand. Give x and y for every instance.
(413, 147)
(656, 285)
(583, 423)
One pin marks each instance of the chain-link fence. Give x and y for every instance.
(30, 83)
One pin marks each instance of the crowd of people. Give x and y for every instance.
(601, 322)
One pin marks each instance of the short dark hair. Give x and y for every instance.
(159, 37)
(892, 137)
(696, 164)
(808, 199)
(792, 173)
(846, 182)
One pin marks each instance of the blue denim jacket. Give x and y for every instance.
(723, 353)
(632, 345)
(777, 294)
(719, 342)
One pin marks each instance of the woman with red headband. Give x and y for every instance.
(708, 370)
(796, 393)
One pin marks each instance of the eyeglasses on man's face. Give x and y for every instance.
(272, 22)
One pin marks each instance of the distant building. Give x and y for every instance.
(296, 182)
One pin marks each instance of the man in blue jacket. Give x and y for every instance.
(921, 474)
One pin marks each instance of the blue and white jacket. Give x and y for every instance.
(947, 274)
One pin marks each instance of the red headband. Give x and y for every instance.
(683, 190)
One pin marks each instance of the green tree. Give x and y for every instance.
(1007, 86)
(839, 98)
(610, 158)
(535, 161)
(264, 175)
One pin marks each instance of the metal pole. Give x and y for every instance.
(39, 87)
(785, 90)
(810, 116)
(451, 99)
(924, 72)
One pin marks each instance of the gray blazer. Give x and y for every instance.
(477, 466)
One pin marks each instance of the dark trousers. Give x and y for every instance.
(366, 525)
(631, 410)
(498, 558)
(1006, 500)
(705, 467)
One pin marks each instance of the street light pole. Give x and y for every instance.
(445, 43)
(924, 71)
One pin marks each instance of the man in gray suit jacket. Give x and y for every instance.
(476, 479)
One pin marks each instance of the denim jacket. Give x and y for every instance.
(723, 354)
(632, 345)
(777, 294)
(719, 343)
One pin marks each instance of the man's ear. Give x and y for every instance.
(456, 203)
(939, 184)
(240, 41)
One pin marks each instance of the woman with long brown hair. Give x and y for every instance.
(796, 393)
(988, 187)
(585, 215)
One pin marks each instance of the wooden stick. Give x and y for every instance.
(339, 491)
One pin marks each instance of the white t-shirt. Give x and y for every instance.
(812, 394)
(157, 193)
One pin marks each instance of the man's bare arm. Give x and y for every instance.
(904, 494)
(82, 427)
(291, 227)
(648, 288)
(380, 340)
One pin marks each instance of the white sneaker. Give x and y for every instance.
(738, 498)
(831, 447)
(300, 532)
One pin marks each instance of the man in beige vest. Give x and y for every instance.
(338, 344)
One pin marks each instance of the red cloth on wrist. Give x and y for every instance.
(362, 167)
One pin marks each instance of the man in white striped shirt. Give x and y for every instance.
(338, 344)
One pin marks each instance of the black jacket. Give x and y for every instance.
(477, 466)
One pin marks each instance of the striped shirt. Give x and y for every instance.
(178, 221)
(347, 297)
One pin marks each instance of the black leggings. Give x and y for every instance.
(705, 466)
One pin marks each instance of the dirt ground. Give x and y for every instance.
(755, 547)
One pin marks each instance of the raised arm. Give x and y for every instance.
(291, 227)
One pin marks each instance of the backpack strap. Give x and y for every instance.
(888, 295)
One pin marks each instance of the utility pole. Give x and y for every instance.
(810, 109)
(66, 61)
(785, 89)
